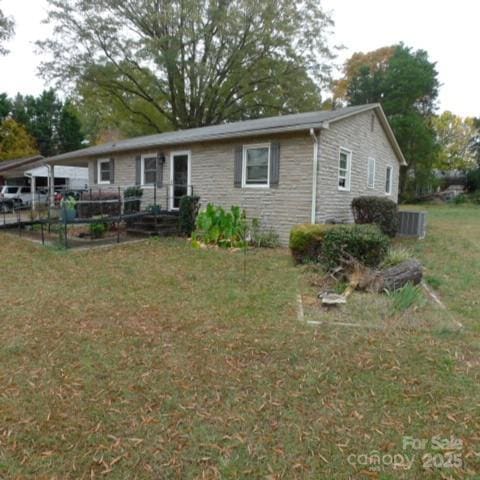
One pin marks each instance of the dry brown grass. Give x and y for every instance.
(155, 361)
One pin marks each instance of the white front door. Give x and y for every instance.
(180, 174)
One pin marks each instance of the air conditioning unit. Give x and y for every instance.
(412, 224)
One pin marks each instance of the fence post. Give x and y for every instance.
(65, 224)
(155, 205)
(18, 222)
(43, 233)
(119, 213)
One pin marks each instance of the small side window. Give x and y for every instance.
(388, 180)
(344, 169)
(371, 173)
(104, 171)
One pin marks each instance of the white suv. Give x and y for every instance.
(19, 196)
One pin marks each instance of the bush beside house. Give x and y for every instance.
(376, 210)
(363, 243)
(334, 245)
(306, 242)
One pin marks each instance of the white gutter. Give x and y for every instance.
(313, 217)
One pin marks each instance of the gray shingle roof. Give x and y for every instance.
(284, 123)
(7, 165)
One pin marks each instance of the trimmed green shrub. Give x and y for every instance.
(306, 242)
(132, 197)
(188, 212)
(378, 210)
(365, 243)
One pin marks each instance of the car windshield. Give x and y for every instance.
(10, 189)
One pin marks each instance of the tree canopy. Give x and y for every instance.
(475, 142)
(406, 83)
(455, 135)
(7, 28)
(190, 63)
(15, 141)
(53, 124)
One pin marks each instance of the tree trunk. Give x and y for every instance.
(394, 278)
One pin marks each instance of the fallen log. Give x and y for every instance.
(393, 278)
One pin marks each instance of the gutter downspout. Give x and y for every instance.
(313, 217)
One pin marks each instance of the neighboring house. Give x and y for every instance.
(283, 170)
(32, 171)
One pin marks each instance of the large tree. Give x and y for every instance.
(406, 83)
(15, 141)
(6, 31)
(189, 63)
(475, 141)
(53, 123)
(455, 135)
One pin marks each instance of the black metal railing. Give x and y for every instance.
(106, 204)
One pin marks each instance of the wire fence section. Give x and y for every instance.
(101, 214)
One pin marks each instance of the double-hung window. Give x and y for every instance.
(344, 169)
(149, 169)
(388, 180)
(104, 171)
(256, 165)
(371, 173)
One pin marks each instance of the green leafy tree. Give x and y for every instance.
(15, 141)
(70, 136)
(188, 63)
(405, 83)
(455, 136)
(5, 106)
(7, 28)
(475, 141)
(53, 124)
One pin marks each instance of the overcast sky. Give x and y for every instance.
(445, 29)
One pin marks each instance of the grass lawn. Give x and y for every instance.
(156, 361)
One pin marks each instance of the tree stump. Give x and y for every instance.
(396, 277)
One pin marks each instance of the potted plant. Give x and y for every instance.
(69, 211)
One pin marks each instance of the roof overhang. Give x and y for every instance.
(17, 168)
(80, 158)
(75, 157)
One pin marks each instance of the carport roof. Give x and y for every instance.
(18, 164)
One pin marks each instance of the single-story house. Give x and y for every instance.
(285, 170)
